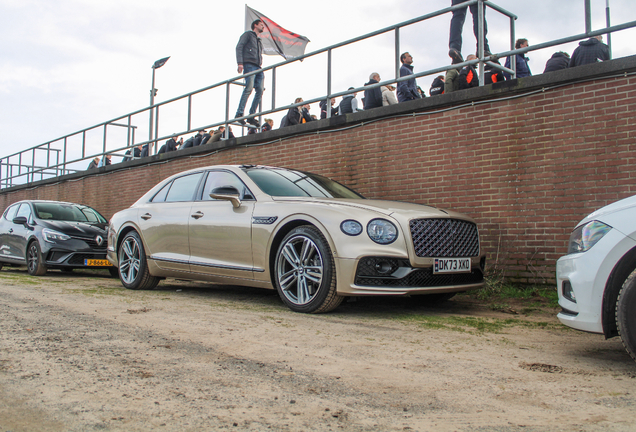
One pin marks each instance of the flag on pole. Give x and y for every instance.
(276, 40)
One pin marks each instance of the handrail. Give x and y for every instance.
(7, 177)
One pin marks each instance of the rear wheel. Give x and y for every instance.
(133, 268)
(626, 316)
(35, 264)
(305, 272)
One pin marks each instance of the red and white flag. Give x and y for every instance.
(276, 40)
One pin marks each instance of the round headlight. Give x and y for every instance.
(351, 227)
(382, 231)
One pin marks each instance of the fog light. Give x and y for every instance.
(383, 267)
(568, 292)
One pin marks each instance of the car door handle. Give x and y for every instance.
(197, 215)
(10, 230)
(146, 216)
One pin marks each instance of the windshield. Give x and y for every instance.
(67, 212)
(288, 183)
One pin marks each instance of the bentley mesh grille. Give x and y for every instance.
(444, 238)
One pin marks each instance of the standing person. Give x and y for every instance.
(388, 97)
(523, 70)
(249, 57)
(456, 27)
(373, 97)
(590, 51)
(294, 114)
(93, 163)
(407, 90)
(323, 108)
(349, 103)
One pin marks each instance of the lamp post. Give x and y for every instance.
(153, 92)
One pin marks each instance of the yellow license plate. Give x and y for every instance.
(97, 263)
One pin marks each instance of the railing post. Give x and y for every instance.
(189, 113)
(607, 23)
(513, 59)
(64, 157)
(397, 52)
(156, 130)
(273, 88)
(226, 133)
(588, 17)
(328, 100)
(480, 39)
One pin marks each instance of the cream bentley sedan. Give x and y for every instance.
(312, 239)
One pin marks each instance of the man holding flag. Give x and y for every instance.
(265, 37)
(249, 56)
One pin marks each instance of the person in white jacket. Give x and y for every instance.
(388, 97)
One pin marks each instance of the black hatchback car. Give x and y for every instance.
(53, 235)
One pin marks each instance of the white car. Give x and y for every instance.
(596, 293)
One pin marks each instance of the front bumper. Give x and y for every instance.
(587, 273)
(360, 277)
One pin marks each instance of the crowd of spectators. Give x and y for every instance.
(249, 59)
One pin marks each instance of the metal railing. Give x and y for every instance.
(71, 152)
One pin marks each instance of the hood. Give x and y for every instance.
(387, 208)
(76, 229)
(610, 209)
(590, 41)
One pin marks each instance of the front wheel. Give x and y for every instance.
(305, 272)
(35, 263)
(133, 267)
(626, 316)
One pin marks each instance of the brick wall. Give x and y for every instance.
(527, 161)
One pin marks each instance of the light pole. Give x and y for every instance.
(153, 92)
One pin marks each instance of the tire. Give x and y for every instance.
(133, 268)
(35, 263)
(114, 272)
(305, 272)
(626, 316)
(432, 299)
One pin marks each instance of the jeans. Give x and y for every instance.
(251, 82)
(457, 24)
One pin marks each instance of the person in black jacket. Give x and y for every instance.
(590, 51)
(134, 153)
(170, 145)
(559, 60)
(249, 57)
(373, 97)
(437, 87)
(468, 77)
(323, 108)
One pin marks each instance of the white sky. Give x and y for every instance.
(66, 65)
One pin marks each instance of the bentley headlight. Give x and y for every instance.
(382, 231)
(585, 236)
(53, 236)
(351, 227)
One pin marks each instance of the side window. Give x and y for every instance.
(161, 195)
(184, 188)
(223, 178)
(11, 211)
(25, 210)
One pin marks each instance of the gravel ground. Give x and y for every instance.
(78, 352)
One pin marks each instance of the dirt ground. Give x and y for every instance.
(78, 352)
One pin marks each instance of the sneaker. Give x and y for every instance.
(456, 56)
(254, 122)
(242, 121)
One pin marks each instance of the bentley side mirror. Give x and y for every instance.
(227, 193)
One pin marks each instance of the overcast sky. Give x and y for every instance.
(66, 65)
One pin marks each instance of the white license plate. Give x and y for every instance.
(451, 265)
